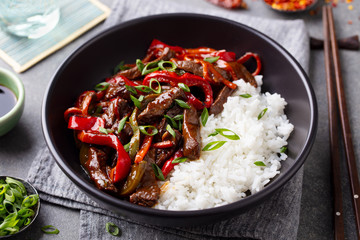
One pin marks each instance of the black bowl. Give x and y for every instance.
(95, 60)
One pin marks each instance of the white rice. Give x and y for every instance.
(224, 175)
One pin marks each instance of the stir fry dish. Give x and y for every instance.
(134, 127)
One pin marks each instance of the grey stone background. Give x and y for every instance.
(20, 146)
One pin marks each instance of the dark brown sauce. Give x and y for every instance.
(7, 100)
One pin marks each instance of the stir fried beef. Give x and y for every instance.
(191, 133)
(148, 191)
(218, 104)
(133, 128)
(157, 108)
(97, 169)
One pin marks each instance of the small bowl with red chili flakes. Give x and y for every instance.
(291, 6)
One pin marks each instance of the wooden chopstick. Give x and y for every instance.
(339, 233)
(344, 119)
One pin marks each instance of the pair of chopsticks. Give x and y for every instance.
(337, 101)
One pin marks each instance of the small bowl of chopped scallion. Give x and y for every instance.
(19, 205)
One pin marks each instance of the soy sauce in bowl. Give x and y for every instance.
(7, 99)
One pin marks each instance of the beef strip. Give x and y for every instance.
(148, 191)
(97, 170)
(220, 100)
(134, 73)
(164, 154)
(157, 108)
(243, 73)
(117, 89)
(191, 133)
(197, 69)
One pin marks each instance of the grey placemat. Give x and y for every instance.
(277, 218)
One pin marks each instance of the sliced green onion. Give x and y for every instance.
(213, 134)
(158, 173)
(120, 67)
(144, 130)
(170, 130)
(30, 201)
(179, 160)
(158, 90)
(140, 65)
(184, 87)
(204, 116)
(232, 136)
(181, 103)
(171, 121)
(246, 95)
(103, 130)
(12, 182)
(178, 117)
(122, 123)
(137, 102)
(127, 147)
(262, 113)
(27, 221)
(143, 88)
(213, 145)
(211, 59)
(260, 163)
(170, 69)
(283, 149)
(50, 229)
(149, 68)
(112, 229)
(102, 86)
(180, 72)
(98, 109)
(131, 89)
(25, 212)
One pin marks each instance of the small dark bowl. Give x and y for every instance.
(95, 60)
(308, 8)
(30, 189)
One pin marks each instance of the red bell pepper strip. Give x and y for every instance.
(123, 164)
(249, 55)
(85, 123)
(144, 148)
(81, 106)
(189, 79)
(156, 44)
(164, 144)
(168, 165)
(224, 55)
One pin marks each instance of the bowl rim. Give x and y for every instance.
(243, 203)
(20, 97)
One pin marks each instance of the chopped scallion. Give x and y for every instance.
(260, 163)
(143, 88)
(102, 86)
(158, 173)
(137, 102)
(232, 136)
(112, 229)
(172, 67)
(211, 59)
(122, 123)
(179, 160)
(170, 130)
(204, 116)
(246, 95)
(171, 121)
(149, 68)
(213, 145)
(262, 113)
(184, 87)
(103, 130)
(140, 65)
(131, 89)
(144, 130)
(50, 229)
(181, 103)
(283, 149)
(158, 90)
(120, 67)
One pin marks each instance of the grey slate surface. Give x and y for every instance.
(19, 148)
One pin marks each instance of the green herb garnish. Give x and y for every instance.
(171, 121)
(211, 59)
(213, 145)
(283, 149)
(158, 90)
(262, 113)
(184, 87)
(137, 102)
(103, 130)
(179, 160)
(204, 116)
(232, 136)
(112, 229)
(102, 86)
(122, 123)
(172, 67)
(158, 173)
(140, 65)
(170, 130)
(246, 95)
(150, 67)
(127, 147)
(131, 89)
(143, 88)
(144, 130)
(120, 67)
(181, 103)
(260, 164)
(50, 229)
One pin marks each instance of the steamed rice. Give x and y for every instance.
(224, 175)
